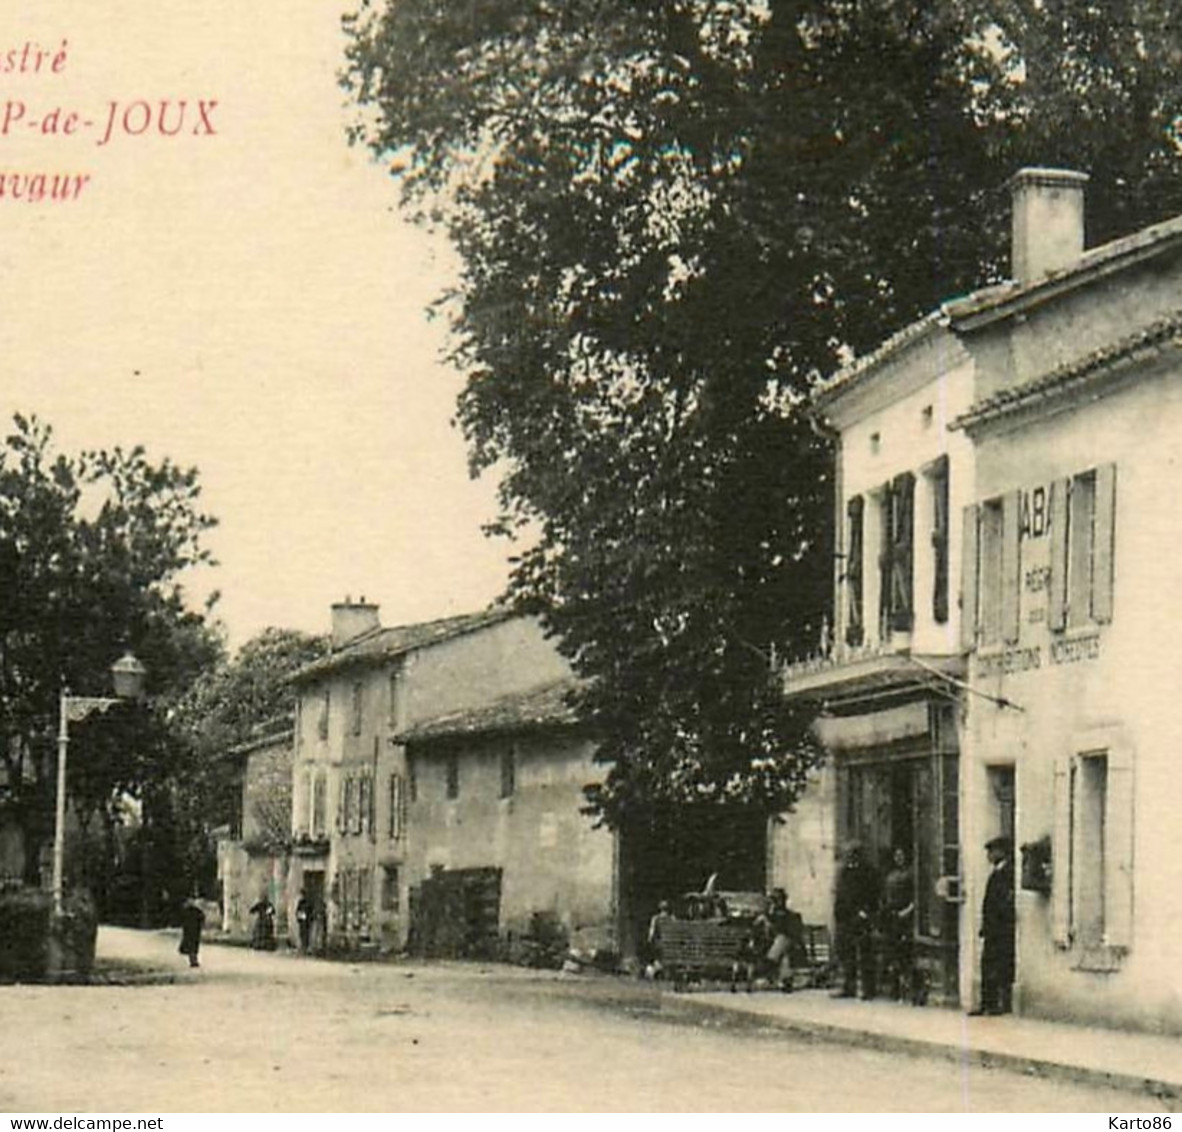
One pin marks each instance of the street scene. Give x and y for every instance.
(591, 555)
(255, 1032)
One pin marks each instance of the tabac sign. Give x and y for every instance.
(1038, 573)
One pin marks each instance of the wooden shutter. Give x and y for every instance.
(854, 622)
(970, 563)
(1118, 851)
(1103, 552)
(939, 480)
(1061, 855)
(342, 804)
(1057, 593)
(903, 552)
(886, 559)
(1011, 568)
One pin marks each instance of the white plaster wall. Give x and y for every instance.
(1133, 686)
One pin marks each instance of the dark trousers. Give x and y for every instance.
(855, 953)
(898, 961)
(997, 976)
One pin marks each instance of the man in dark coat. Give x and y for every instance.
(997, 930)
(854, 912)
(192, 921)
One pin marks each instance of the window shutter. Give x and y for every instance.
(342, 802)
(1118, 851)
(854, 623)
(940, 541)
(1061, 856)
(1011, 568)
(968, 577)
(903, 552)
(1057, 595)
(885, 559)
(1104, 551)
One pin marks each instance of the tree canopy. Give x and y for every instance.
(672, 217)
(92, 551)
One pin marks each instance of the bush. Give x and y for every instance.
(33, 948)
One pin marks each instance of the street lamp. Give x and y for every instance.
(127, 676)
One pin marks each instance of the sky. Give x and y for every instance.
(243, 297)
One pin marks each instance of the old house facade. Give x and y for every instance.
(885, 684)
(351, 810)
(1031, 700)
(253, 861)
(496, 795)
(1069, 603)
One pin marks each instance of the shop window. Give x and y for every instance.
(1083, 521)
(855, 628)
(1092, 857)
(391, 893)
(508, 771)
(453, 775)
(364, 900)
(397, 807)
(897, 555)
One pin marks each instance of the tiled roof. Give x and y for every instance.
(995, 301)
(380, 645)
(1068, 378)
(545, 706)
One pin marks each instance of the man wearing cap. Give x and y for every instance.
(997, 930)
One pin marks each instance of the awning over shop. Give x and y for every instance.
(842, 686)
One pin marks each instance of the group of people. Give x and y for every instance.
(308, 914)
(875, 923)
(771, 947)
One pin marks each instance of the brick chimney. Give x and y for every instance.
(352, 618)
(1048, 216)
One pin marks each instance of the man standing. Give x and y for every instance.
(854, 911)
(303, 913)
(192, 921)
(997, 930)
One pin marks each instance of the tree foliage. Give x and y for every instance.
(228, 704)
(673, 216)
(92, 551)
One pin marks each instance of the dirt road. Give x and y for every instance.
(275, 1032)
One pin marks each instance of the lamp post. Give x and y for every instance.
(127, 676)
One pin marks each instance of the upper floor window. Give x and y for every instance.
(397, 807)
(897, 557)
(453, 775)
(358, 704)
(319, 804)
(855, 626)
(322, 721)
(508, 771)
(1078, 577)
(938, 480)
(1082, 527)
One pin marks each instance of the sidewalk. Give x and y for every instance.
(1085, 1054)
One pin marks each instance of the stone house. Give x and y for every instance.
(1075, 423)
(496, 793)
(1035, 702)
(254, 860)
(352, 819)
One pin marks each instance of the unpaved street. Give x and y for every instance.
(261, 1032)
